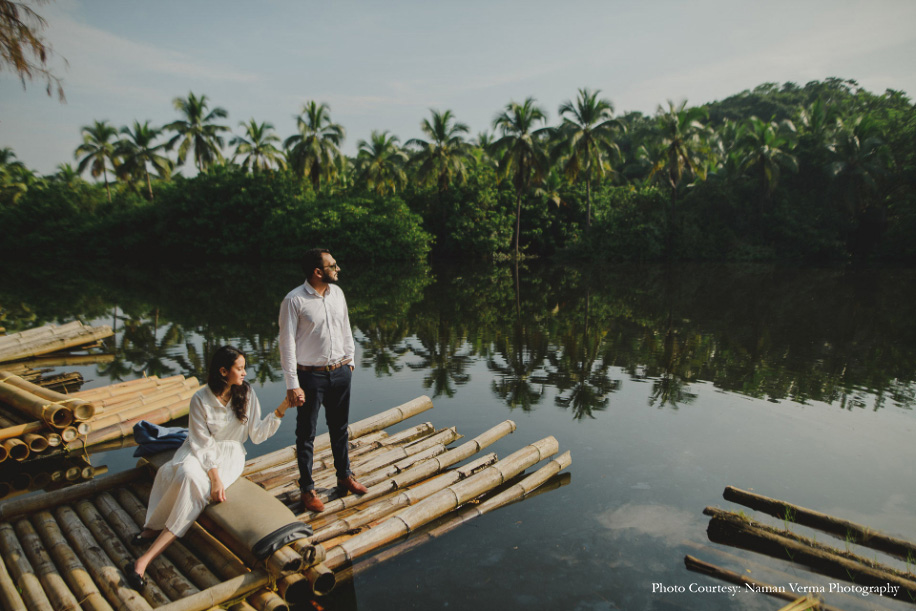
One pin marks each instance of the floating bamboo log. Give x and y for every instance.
(38, 408)
(21, 571)
(76, 575)
(17, 346)
(81, 409)
(357, 429)
(844, 529)
(698, 566)
(52, 582)
(543, 479)
(732, 529)
(424, 470)
(109, 579)
(129, 386)
(17, 339)
(440, 503)
(406, 498)
(9, 593)
(16, 449)
(42, 502)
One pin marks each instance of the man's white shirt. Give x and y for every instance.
(314, 330)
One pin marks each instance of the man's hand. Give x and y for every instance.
(295, 397)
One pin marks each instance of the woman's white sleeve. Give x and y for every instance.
(259, 430)
(203, 446)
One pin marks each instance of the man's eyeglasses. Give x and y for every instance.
(332, 267)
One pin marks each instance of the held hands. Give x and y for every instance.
(295, 397)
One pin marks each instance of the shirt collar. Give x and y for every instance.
(311, 290)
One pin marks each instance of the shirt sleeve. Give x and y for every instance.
(289, 322)
(348, 344)
(203, 446)
(258, 429)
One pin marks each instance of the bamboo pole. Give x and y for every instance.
(119, 389)
(4, 452)
(68, 495)
(316, 580)
(265, 600)
(25, 402)
(377, 511)
(55, 588)
(43, 330)
(423, 470)
(844, 529)
(162, 570)
(40, 346)
(548, 476)
(230, 589)
(440, 503)
(443, 437)
(16, 449)
(21, 571)
(698, 566)
(355, 430)
(36, 443)
(730, 529)
(160, 415)
(144, 396)
(9, 593)
(73, 571)
(81, 409)
(110, 580)
(139, 409)
(119, 554)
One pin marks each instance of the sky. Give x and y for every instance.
(384, 65)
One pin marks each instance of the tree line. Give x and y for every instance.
(826, 171)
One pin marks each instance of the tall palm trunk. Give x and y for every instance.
(518, 220)
(588, 204)
(107, 188)
(149, 183)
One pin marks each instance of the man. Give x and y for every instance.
(316, 353)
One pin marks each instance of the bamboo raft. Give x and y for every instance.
(738, 530)
(37, 420)
(67, 546)
(49, 339)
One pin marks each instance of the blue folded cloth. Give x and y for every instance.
(152, 438)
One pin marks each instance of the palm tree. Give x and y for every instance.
(257, 147)
(138, 153)
(98, 150)
(66, 174)
(768, 146)
(314, 152)
(521, 151)
(680, 135)
(586, 141)
(196, 130)
(443, 158)
(381, 163)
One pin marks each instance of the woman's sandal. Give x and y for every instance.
(134, 579)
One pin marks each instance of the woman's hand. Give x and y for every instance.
(217, 490)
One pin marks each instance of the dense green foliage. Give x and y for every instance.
(824, 172)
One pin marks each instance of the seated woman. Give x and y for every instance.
(222, 415)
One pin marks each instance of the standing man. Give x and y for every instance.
(316, 353)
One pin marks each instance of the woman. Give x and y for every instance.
(223, 415)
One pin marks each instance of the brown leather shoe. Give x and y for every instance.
(311, 502)
(350, 483)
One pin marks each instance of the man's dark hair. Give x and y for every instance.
(312, 259)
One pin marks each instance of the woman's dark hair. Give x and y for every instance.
(312, 259)
(238, 395)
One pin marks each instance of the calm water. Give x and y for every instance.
(666, 384)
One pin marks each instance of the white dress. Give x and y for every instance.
(216, 438)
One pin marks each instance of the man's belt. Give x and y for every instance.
(324, 367)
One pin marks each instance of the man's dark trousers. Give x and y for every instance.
(331, 389)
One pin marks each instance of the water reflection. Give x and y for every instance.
(838, 336)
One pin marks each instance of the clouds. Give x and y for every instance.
(382, 66)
